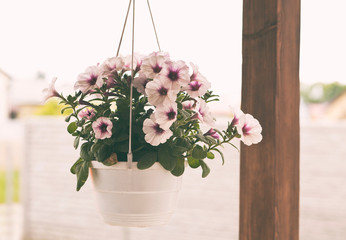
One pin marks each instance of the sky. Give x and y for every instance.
(62, 37)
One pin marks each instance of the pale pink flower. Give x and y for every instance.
(237, 113)
(166, 115)
(189, 105)
(50, 91)
(110, 70)
(87, 113)
(137, 62)
(89, 80)
(140, 83)
(159, 92)
(212, 133)
(164, 54)
(102, 128)
(250, 129)
(198, 84)
(152, 66)
(204, 114)
(112, 64)
(154, 134)
(176, 73)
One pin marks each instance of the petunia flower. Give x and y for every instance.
(189, 105)
(166, 115)
(176, 73)
(110, 70)
(87, 113)
(204, 114)
(159, 92)
(50, 91)
(153, 65)
(237, 113)
(212, 133)
(102, 128)
(164, 54)
(140, 83)
(154, 134)
(137, 62)
(198, 84)
(250, 129)
(89, 80)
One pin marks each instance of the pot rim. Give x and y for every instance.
(123, 166)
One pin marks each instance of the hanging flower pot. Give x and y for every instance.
(135, 198)
(139, 120)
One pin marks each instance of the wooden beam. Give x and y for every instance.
(269, 171)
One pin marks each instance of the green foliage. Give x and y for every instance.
(321, 92)
(188, 145)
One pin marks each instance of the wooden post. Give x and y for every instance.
(269, 175)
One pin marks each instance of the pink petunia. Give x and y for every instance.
(166, 115)
(50, 91)
(87, 113)
(110, 70)
(250, 129)
(189, 105)
(212, 133)
(89, 80)
(176, 73)
(102, 128)
(137, 62)
(154, 134)
(159, 92)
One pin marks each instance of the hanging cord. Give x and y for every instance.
(152, 20)
(122, 33)
(129, 155)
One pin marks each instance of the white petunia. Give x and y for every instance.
(198, 84)
(159, 92)
(204, 114)
(137, 62)
(152, 66)
(250, 129)
(140, 83)
(176, 73)
(89, 80)
(236, 114)
(50, 91)
(166, 115)
(154, 134)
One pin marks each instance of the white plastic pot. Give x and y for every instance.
(133, 197)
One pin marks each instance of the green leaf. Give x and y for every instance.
(198, 152)
(73, 168)
(72, 127)
(65, 108)
(67, 119)
(193, 162)
(85, 151)
(82, 172)
(167, 161)
(205, 169)
(210, 155)
(179, 168)
(146, 159)
(76, 142)
(221, 154)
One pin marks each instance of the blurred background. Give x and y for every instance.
(43, 39)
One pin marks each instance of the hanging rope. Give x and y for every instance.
(152, 20)
(130, 155)
(122, 33)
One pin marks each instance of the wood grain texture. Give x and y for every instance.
(269, 177)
